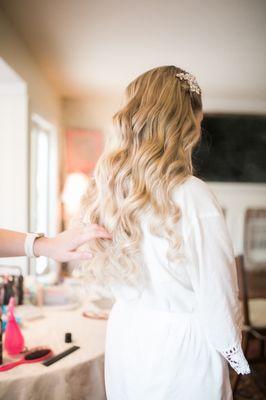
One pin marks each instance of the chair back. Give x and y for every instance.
(243, 287)
(255, 240)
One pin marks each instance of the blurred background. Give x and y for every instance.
(64, 65)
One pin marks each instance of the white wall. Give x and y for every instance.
(43, 99)
(92, 112)
(28, 93)
(13, 155)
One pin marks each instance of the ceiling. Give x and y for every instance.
(86, 46)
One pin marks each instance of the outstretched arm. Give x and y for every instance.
(62, 248)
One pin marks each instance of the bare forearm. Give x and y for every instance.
(11, 243)
(62, 248)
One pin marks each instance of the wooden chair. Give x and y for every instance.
(254, 328)
(252, 266)
(255, 241)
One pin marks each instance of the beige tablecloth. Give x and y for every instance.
(78, 376)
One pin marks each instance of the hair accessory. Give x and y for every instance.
(193, 84)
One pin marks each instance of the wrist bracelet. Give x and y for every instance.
(29, 243)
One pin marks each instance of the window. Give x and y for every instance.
(43, 188)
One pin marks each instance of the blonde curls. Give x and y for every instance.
(156, 132)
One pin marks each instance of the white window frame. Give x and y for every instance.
(39, 123)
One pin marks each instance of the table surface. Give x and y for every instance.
(50, 331)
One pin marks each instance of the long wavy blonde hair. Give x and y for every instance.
(155, 133)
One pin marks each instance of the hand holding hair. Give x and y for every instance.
(62, 248)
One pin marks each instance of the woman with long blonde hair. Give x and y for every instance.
(170, 264)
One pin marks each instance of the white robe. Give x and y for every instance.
(174, 340)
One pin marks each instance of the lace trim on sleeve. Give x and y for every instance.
(236, 359)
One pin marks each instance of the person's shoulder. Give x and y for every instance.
(193, 182)
(197, 187)
(198, 198)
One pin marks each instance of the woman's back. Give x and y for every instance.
(170, 265)
(189, 316)
(170, 286)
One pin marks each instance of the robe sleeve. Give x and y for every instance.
(214, 279)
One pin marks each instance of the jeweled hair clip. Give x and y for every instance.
(193, 84)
